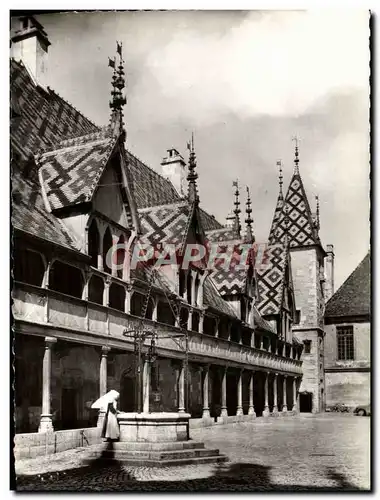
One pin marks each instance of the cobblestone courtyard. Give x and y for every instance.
(324, 452)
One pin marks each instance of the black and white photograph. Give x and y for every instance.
(190, 250)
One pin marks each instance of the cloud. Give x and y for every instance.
(278, 63)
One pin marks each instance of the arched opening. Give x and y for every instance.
(120, 256)
(96, 289)
(196, 290)
(209, 325)
(235, 332)
(28, 266)
(243, 309)
(223, 328)
(188, 286)
(127, 391)
(107, 244)
(184, 316)
(306, 402)
(182, 283)
(66, 279)
(150, 308)
(137, 302)
(195, 321)
(93, 243)
(117, 297)
(165, 313)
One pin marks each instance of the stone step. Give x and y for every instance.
(173, 462)
(122, 455)
(141, 446)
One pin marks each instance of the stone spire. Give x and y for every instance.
(237, 211)
(118, 100)
(192, 176)
(248, 210)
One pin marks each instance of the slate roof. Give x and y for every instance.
(29, 214)
(212, 298)
(353, 298)
(72, 171)
(45, 117)
(301, 229)
(271, 279)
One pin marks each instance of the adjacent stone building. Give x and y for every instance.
(347, 340)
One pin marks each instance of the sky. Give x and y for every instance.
(246, 82)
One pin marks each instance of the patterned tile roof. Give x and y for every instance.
(301, 229)
(260, 322)
(222, 234)
(353, 298)
(45, 117)
(271, 281)
(72, 172)
(29, 214)
(277, 213)
(165, 223)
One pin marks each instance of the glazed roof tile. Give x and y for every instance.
(271, 279)
(301, 230)
(29, 214)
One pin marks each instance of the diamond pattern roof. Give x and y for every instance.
(71, 173)
(271, 281)
(301, 230)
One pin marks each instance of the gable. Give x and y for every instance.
(108, 199)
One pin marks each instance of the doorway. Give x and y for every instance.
(306, 402)
(69, 408)
(127, 393)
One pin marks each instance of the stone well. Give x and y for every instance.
(153, 427)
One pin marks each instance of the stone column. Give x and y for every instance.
(201, 320)
(103, 371)
(266, 404)
(146, 386)
(100, 254)
(285, 403)
(223, 412)
(46, 423)
(239, 409)
(206, 409)
(251, 408)
(181, 389)
(295, 396)
(275, 406)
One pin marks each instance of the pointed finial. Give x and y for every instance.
(237, 210)
(249, 219)
(317, 225)
(118, 83)
(280, 177)
(296, 159)
(192, 176)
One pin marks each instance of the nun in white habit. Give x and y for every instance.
(108, 403)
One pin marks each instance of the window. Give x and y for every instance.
(345, 341)
(297, 318)
(307, 344)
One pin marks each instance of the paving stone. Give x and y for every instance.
(321, 452)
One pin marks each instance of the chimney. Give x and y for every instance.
(173, 168)
(29, 43)
(329, 269)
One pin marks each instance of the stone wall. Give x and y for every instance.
(33, 445)
(362, 346)
(304, 270)
(349, 388)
